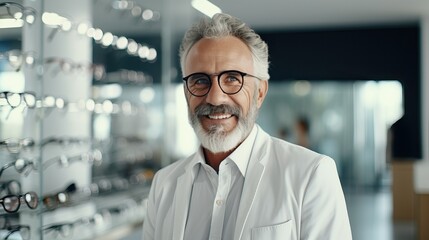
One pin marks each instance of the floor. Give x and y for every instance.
(370, 215)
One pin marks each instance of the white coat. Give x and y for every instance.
(289, 193)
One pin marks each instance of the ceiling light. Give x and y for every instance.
(206, 7)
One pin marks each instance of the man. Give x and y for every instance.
(241, 183)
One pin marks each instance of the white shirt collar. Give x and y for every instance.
(240, 156)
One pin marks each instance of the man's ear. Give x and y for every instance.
(262, 91)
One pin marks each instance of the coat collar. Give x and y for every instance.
(254, 173)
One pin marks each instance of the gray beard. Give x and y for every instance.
(216, 139)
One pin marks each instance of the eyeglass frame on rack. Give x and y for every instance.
(18, 198)
(15, 145)
(23, 9)
(18, 228)
(24, 169)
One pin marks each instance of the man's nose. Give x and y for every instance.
(216, 96)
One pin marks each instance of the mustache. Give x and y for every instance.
(207, 109)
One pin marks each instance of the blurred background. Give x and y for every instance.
(92, 105)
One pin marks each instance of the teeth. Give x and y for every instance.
(217, 117)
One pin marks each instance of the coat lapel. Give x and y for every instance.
(181, 203)
(255, 172)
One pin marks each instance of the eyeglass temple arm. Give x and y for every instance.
(6, 166)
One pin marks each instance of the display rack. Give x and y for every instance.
(63, 174)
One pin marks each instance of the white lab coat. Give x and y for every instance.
(289, 193)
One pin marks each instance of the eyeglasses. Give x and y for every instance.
(94, 157)
(21, 166)
(230, 82)
(18, 232)
(18, 12)
(68, 66)
(66, 229)
(64, 141)
(11, 203)
(15, 99)
(16, 58)
(61, 198)
(14, 145)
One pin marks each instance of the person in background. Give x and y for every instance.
(241, 183)
(302, 132)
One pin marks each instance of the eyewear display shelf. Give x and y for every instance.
(57, 180)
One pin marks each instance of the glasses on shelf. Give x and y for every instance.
(94, 157)
(16, 99)
(64, 141)
(59, 199)
(66, 229)
(12, 203)
(17, 232)
(21, 166)
(68, 66)
(11, 187)
(16, 58)
(18, 12)
(230, 82)
(15, 145)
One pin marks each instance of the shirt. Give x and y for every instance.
(215, 198)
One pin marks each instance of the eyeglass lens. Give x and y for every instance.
(14, 145)
(230, 82)
(12, 203)
(15, 99)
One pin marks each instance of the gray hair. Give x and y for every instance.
(223, 25)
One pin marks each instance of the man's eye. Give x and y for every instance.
(201, 81)
(232, 78)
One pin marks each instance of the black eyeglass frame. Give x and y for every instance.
(33, 195)
(22, 98)
(209, 76)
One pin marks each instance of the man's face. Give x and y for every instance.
(218, 118)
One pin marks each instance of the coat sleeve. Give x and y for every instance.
(324, 212)
(150, 217)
